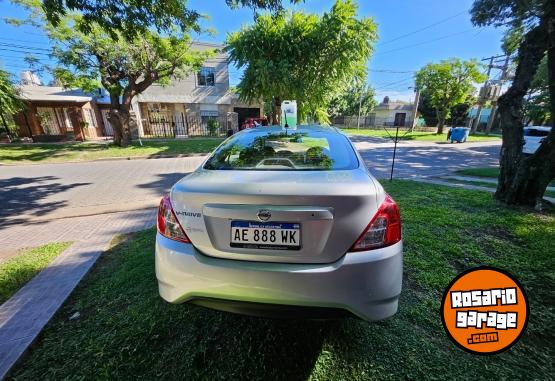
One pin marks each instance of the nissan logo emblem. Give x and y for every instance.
(264, 215)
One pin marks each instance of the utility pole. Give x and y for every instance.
(480, 101)
(416, 102)
(359, 107)
(504, 74)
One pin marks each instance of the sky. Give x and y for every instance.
(411, 33)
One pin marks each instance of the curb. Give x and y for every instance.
(115, 158)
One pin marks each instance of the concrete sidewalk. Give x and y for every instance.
(25, 314)
(466, 186)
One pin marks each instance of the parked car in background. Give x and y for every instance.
(254, 122)
(533, 137)
(277, 223)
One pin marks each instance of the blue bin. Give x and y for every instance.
(459, 134)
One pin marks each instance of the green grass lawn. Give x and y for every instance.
(17, 271)
(489, 172)
(52, 153)
(490, 185)
(420, 136)
(125, 331)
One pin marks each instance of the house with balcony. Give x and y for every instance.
(193, 105)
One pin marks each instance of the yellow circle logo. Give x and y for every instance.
(484, 310)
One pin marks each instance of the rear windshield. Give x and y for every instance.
(535, 132)
(281, 151)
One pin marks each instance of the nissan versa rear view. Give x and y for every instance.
(280, 223)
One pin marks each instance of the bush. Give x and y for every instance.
(213, 126)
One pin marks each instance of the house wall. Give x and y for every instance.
(92, 132)
(189, 87)
(29, 119)
(387, 117)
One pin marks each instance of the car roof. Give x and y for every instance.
(301, 128)
(541, 128)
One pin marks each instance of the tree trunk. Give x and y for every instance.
(5, 124)
(523, 180)
(119, 118)
(440, 121)
(276, 112)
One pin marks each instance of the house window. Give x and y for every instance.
(90, 117)
(206, 77)
(48, 121)
(205, 116)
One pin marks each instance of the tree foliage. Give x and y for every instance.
(133, 17)
(537, 108)
(447, 84)
(523, 179)
(302, 56)
(125, 68)
(10, 103)
(427, 110)
(357, 95)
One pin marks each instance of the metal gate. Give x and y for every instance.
(166, 125)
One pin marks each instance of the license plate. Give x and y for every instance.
(266, 235)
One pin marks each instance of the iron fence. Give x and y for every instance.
(177, 125)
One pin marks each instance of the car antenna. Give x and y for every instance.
(286, 126)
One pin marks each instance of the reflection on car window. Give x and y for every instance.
(277, 150)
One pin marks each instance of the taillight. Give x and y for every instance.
(383, 230)
(168, 225)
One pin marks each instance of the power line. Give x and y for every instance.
(23, 51)
(394, 83)
(25, 41)
(45, 60)
(390, 71)
(18, 46)
(425, 42)
(423, 28)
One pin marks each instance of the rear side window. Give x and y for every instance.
(535, 132)
(281, 151)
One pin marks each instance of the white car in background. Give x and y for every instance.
(533, 138)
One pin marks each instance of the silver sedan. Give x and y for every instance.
(280, 222)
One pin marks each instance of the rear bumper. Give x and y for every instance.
(367, 284)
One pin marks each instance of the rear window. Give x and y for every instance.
(281, 151)
(535, 132)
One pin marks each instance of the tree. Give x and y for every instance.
(447, 84)
(125, 68)
(427, 110)
(10, 103)
(523, 180)
(302, 56)
(460, 111)
(536, 106)
(359, 95)
(133, 17)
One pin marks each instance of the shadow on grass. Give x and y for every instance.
(125, 330)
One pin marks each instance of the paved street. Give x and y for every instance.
(421, 159)
(38, 200)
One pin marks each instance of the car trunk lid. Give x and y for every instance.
(328, 209)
